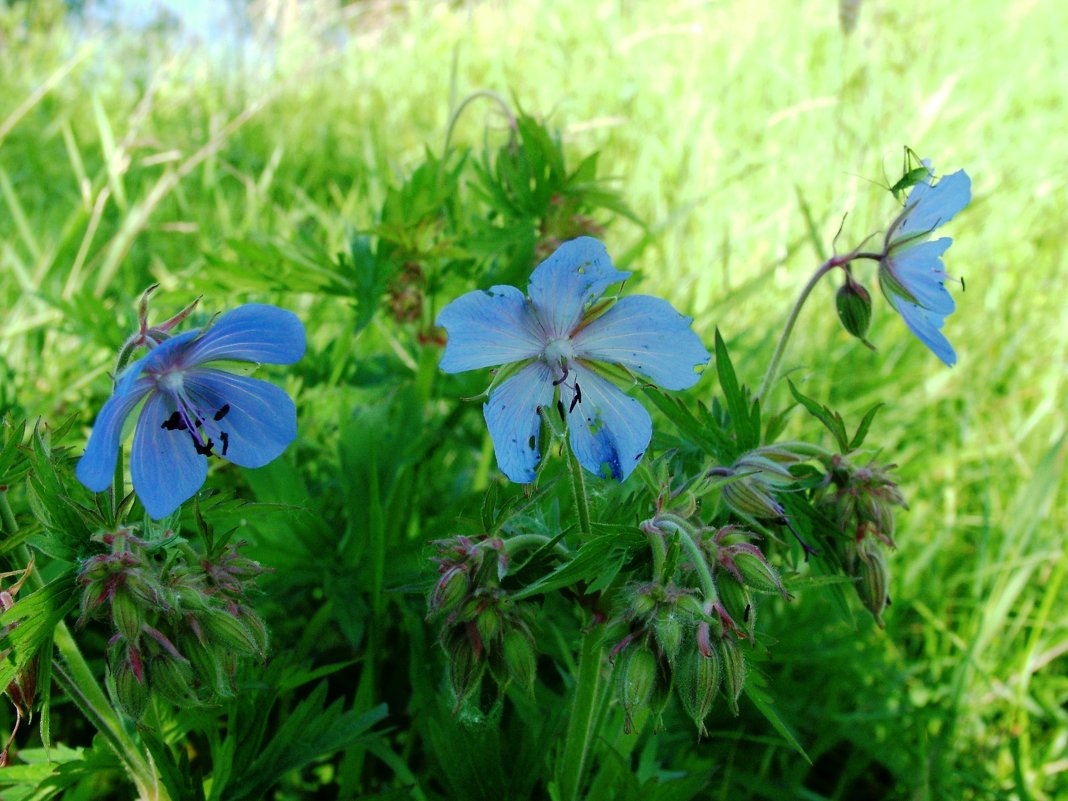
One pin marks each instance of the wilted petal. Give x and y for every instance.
(96, 468)
(563, 285)
(489, 328)
(250, 421)
(514, 424)
(647, 335)
(255, 332)
(609, 431)
(164, 464)
(931, 206)
(925, 324)
(920, 271)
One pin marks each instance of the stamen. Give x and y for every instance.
(225, 438)
(225, 410)
(203, 450)
(562, 378)
(174, 423)
(575, 400)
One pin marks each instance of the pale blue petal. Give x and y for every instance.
(925, 325)
(514, 424)
(931, 206)
(255, 332)
(920, 271)
(609, 430)
(96, 468)
(648, 336)
(566, 283)
(169, 354)
(257, 420)
(489, 328)
(165, 466)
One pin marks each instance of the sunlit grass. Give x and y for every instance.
(126, 160)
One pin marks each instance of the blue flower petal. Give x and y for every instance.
(931, 206)
(920, 271)
(165, 466)
(251, 421)
(514, 424)
(490, 328)
(255, 332)
(609, 431)
(925, 325)
(96, 468)
(647, 335)
(564, 285)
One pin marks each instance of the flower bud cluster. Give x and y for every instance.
(181, 622)
(675, 641)
(861, 501)
(482, 627)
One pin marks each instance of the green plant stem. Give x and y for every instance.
(520, 541)
(780, 349)
(697, 557)
(77, 680)
(658, 547)
(582, 725)
(578, 490)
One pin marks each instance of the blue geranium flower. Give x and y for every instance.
(193, 411)
(556, 337)
(911, 272)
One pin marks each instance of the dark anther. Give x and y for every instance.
(225, 410)
(174, 423)
(205, 449)
(745, 614)
(560, 409)
(962, 287)
(562, 378)
(576, 399)
(224, 437)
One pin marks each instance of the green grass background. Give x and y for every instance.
(131, 159)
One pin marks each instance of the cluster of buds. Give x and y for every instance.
(674, 640)
(482, 627)
(181, 622)
(861, 501)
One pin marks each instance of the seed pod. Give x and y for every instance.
(636, 678)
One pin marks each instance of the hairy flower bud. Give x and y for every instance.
(127, 615)
(697, 678)
(636, 679)
(450, 591)
(854, 308)
(873, 587)
(519, 658)
(128, 686)
(466, 666)
(733, 671)
(172, 679)
(758, 574)
(224, 628)
(669, 631)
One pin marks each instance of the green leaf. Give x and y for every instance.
(32, 620)
(756, 691)
(707, 434)
(832, 420)
(597, 562)
(744, 420)
(862, 429)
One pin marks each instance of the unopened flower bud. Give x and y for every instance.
(854, 308)
(488, 623)
(874, 578)
(465, 663)
(224, 628)
(697, 680)
(736, 599)
(127, 615)
(519, 658)
(758, 574)
(636, 679)
(733, 671)
(129, 689)
(172, 679)
(449, 592)
(669, 631)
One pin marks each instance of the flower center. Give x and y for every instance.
(558, 352)
(188, 417)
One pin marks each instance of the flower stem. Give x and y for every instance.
(776, 358)
(520, 541)
(582, 725)
(578, 490)
(693, 549)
